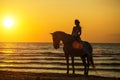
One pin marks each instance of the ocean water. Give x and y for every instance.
(43, 58)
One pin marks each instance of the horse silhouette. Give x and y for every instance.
(68, 40)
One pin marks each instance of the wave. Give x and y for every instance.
(37, 57)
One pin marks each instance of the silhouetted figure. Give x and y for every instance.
(69, 51)
(76, 32)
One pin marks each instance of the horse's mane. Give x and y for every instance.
(66, 36)
(62, 32)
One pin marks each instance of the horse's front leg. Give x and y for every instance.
(73, 64)
(67, 61)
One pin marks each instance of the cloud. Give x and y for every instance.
(115, 34)
(115, 37)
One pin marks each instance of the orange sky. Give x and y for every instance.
(35, 19)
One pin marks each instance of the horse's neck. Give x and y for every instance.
(66, 39)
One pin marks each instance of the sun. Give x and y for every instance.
(8, 22)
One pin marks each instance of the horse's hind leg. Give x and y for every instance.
(73, 64)
(88, 63)
(85, 66)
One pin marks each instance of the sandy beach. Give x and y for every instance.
(8, 75)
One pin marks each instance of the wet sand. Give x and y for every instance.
(8, 75)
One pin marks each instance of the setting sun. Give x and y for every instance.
(8, 22)
(33, 20)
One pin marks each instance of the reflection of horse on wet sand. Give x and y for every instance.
(68, 40)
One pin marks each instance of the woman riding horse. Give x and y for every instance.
(68, 40)
(76, 32)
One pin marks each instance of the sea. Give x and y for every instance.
(36, 57)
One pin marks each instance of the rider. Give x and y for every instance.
(76, 34)
(77, 31)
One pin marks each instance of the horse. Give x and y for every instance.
(70, 51)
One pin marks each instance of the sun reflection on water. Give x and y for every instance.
(6, 51)
(7, 48)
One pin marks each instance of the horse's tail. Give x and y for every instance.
(90, 50)
(91, 56)
(92, 64)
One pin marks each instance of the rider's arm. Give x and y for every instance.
(80, 31)
(73, 30)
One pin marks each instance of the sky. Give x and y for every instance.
(34, 20)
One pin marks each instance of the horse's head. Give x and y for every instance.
(56, 40)
(60, 36)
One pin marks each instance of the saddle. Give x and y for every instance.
(77, 45)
